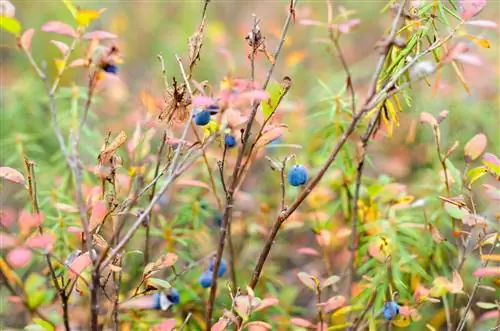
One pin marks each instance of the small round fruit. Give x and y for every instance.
(218, 219)
(110, 68)
(205, 279)
(222, 267)
(202, 118)
(297, 175)
(229, 140)
(173, 296)
(391, 309)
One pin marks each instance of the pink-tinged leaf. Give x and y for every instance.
(164, 261)
(221, 325)
(334, 303)
(7, 9)
(420, 293)
(307, 279)
(166, 325)
(99, 35)
(66, 208)
(436, 235)
(62, 47)
(487, 272)
(99, 210)
(267, 302)
(471, 8)
(59, 28)
(27, 221)
(272, 132)
(483, 24)
(203, 101)
(458, 48)
(43, 241)
(258, 326)
(75, 229)
(7, 217)
(475, 147)
(303, 323)
(193, 183)
(79, 264)
(19, 257)
(456, 284)
(491, 158)
(493, 314)
(307, 251)
(26, 38)
(492, 192)
(11, 175)
(467, 58)
(442, 116)
(255, 95)
(78, 63)
(7, 241)
(428, 118)
(14, 299)
(346, 27)
(473, 220)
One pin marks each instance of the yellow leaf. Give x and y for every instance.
(210, 128)
(86, 16)
(294, 58)
(10, 24)
(60, 64)
(460, 77)
(72, 9)
(9, 274)
(347, 309)
(490, 257)
(401, 321)
(479, 41)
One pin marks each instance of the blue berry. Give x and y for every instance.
(157, 300)
(297, 175)
(205, 279)
(110, 68)
(202, 118)
(391, 309)
(229, 140)
(222, 267)
(218, 219)
(213, 109)
(173, 296)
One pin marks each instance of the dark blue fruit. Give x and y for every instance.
(222, 267)
(110, 68)
(391, 309)
(205, 279)
(157, 300)
(173, 296)
(218, 219)
(297, 175)
(229, 140)
(202, 118)
(213, 109)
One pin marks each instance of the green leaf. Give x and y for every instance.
(454, 211)
(159, 283)
(476, 173)
(486, 305)
(276, 92)
(34, 327)
(10, 24)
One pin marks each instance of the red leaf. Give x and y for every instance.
(7, 241)
(268, 302)
(79, 264)
(307, 251)
(258, 326)
(485, 272)
(12, 175)
(78, 63)
(19, 257)
(334, 303)
(44, 241)
(475, 147)
(25, 40)
(27, 221)
(471, 8)
(99, 35)
(59, 28)
(166, 325)
(63, 48)
(221, 325)
(99, 210)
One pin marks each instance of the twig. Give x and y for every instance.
(462, 322)
(234, 178)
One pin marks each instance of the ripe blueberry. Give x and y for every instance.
(222, 267)
(173, 296)
(391, 309)
(110, 68)
(218, 219)
(229, 140)
(205, 279)
(202, 118)
(297, 175)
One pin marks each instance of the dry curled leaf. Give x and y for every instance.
(110, 149)
(164, 261)
(12, 175)
(195, 43)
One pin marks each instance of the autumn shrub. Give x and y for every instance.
(236, 203)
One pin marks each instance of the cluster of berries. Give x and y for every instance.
(203, 116)
(205, 279)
